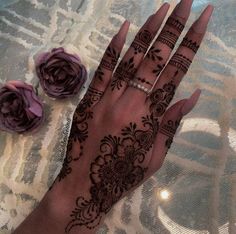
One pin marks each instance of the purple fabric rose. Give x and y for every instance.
(20, 108)
(61, 74)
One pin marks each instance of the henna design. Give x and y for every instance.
(114, 56)
(142, 41)
(169, 130)
(117, 169)
(79, 128)
(158, 69)
(176, 24)
(142, 80)
(168, 38)
(99, 73)
(181, 62)
(124, 72)
(161, 98)
(153, 54)
(190, 44)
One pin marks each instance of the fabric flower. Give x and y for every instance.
(60, 74)
(20, 108)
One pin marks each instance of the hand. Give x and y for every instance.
(123, 127)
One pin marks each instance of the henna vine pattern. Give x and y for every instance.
(124, 72)
(176, 24)
(117, 169)
(79, 129)
(181, 62)
(168, 38)
(142, 42)
(190, 44)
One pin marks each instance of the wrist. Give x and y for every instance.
(53, 215)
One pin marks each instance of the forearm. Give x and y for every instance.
(52, 216)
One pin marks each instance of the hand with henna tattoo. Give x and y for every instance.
(123, 127)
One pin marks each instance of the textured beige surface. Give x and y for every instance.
(200, 169)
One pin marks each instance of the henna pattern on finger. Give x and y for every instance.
(161, 98)
(158, 69)
(143, 81)
(99, 74)
(169, 129)
(118, 168)
(142, 41)
(168, 38)
(79, 128)
(190, 44)
(153, 54)
(110, 65)
(124, 72)
(176, 24)
(181, 62)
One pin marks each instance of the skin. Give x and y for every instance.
(120, 134)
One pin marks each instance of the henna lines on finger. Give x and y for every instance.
(169, 129)
(124, 72)
(181, 62)
(176, 24)
(142, 41)
(110, 64)
(168, 38)
(190, 44)
(143, 81)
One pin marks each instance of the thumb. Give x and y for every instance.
(169, 126)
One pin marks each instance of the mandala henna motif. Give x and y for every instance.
(117, 169)
(124, 72)
(79, 129)
(142, 42)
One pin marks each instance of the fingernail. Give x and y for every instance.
(164, 8)
(183, 8)
(201, 23)
(121, 35)
(191, 102)
(159, 16)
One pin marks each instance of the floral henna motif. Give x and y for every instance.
(161, 98)
(79, 129)
(142, 42)
(117, 169)
(124, 72)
